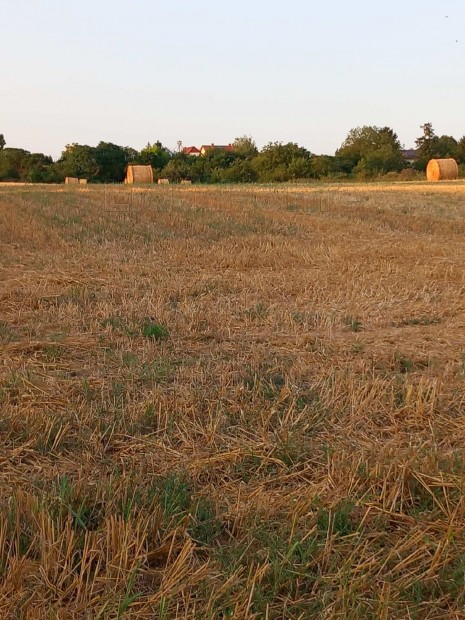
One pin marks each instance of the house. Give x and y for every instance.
(191, 150)
(410, 155)
(215, 147)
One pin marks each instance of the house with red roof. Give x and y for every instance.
(191, 150)
(204, 149)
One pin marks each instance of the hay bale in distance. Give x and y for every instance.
(71, 181)
(186, 182)
(82, 181)
(163, 181)
(139, 174)
(442, 170)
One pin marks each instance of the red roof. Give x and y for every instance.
(209, 147)
(190, 150)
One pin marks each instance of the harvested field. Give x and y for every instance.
(232, 403)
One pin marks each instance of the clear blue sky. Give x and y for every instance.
(206, 71)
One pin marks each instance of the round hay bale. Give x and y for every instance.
(442, 170)
(139, 174)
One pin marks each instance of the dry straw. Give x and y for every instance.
(276, 430)
(139, 174)
(442, 170)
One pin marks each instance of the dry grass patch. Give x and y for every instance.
(232, 403)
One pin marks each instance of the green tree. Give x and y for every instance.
(327, 166)
(212, 167)
(245, 147)
(219, 158)
(79, 161)
(132, 156)
(155, 155)
(371, 150)
(446, 146)
(39, 168)
(12, 164)
(461, 150)
(2, 142)
(111, 161)
(278, 162)
(20, 165)
(240, 171)
(426, 146)
(431, 146)
(178, 168)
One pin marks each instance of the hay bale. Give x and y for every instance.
(163, 181)
(442, 170)
(186, 182)
(139, 174)
(71, 181)
(82, 181)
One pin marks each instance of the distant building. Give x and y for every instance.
(410, 155)
(191, 150)
(215, 147)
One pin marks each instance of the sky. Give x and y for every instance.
(204, 71)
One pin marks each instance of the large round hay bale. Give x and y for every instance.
(139, 174)
(442, 170)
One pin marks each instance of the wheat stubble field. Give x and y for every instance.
(232, 403)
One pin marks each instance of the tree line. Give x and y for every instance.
(368, 152)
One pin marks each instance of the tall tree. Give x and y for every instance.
(282, 162)
(179, 167)
(39, 168)
(327, 165)
(446, 146)
(111, 160)
(426, 145)
(156, 155)
(245, 147)
(12, 164)
(240, 171)
(372, 150)
(78, 160)
(2, 142)
(461, 150)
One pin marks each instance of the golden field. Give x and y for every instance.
(239, 402)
